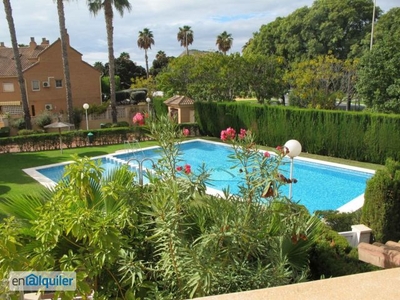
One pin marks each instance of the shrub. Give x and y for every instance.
(26, 132)
(43, 119)
(122, 124)
(339, 221)
(332, 256)
(19, 123)
(381, 210)
(5, 132)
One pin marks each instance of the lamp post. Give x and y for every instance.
(294, 148)
(148, 100)
(86, 107)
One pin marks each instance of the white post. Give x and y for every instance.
(293, 148)
(291, 178)
(86, 107)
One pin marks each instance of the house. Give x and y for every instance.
(44, 79)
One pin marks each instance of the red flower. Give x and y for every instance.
(228, 134)
(138, 119)
(179, 168)
(242, 133)
(185, 131)
(188, 169)
(266, 154)
(231, 133)
(223, 135)
(283, 149)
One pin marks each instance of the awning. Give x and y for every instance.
(10, 103)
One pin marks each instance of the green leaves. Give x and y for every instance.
(167, 239)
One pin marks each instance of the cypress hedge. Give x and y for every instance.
(351, 135)
(381, 210)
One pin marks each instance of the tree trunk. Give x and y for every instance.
(21, 81)
(147, 62)
(108, 13)
(64, 43)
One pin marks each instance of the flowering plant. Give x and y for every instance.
(260, 170)
(185, 132)
(139, 119)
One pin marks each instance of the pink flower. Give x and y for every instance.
(179, 168)
(223, 135)
(231, 133)
(282, 149)
(266, 154)
(138, 119)
(185, 131)
(188, 169)
(242, 133)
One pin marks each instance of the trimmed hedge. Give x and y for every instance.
(351, 135)
(381, 210)
(51, 141)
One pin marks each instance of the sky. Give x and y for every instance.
(207, 19)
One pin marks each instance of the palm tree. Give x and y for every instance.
(160, 55)
(64, 52)
(145, 41)
(18, 64)
(185, 36)
(224, 42)
(107, 5)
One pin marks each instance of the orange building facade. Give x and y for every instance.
(44, 79)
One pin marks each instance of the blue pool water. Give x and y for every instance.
(319, 186)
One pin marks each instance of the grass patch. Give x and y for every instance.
(14, 181)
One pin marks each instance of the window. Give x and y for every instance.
(59, 83)
(35, 85)
(8, 87)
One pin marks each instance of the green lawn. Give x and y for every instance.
(13, 181)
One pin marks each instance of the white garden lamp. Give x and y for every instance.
(294, 149)
(86, 107)
(148, 100)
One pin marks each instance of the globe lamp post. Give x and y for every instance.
(294, 149)
(86, 107)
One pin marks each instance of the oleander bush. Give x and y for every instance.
(167, 239)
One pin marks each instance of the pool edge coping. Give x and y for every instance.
(350, 206)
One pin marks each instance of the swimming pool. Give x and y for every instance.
(320, 185)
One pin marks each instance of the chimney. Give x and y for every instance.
(44, 41)
(32, 44)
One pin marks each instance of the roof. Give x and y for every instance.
(179, 100)
(29, 57)
(194, 52)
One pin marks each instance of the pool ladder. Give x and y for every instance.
(140, 166)
(133, 146)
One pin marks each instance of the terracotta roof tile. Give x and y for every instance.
(28, 58)
(179, 100)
